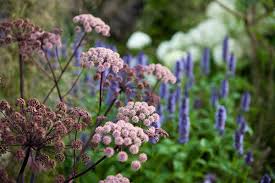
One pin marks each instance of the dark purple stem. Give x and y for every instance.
(20, 177)
(21, 75)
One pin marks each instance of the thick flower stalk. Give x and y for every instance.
(90, 23)
(123, 137)
(102, 59)
(184, 121)
(113, 179)
(161, 72)
(37, 132)
(220, 119)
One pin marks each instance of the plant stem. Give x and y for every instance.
(20, 177)
(65, 67)
(156, 85)
(73, 85)
(54, 77)
(87, 170)
(21, 75)
(100, 92)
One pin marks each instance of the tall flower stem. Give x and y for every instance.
(73, 85)
(86, 171)
(65, 67)
(21, 75)
(156, 85)
(54, 77)
(20, 177)
(100, 92)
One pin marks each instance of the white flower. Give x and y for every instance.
(233, 47)
(195, 52)
(170, 58)
(138, 40)
(163, 48)
(180, 40)
(212, 32)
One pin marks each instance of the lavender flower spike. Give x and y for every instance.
(189, 66)
(249, 158)
(238, 142)
(178, 70)
(214, 97)
(209, 178)
(231, 65)
(184, 108)
(225, 49)
(184, 128)
(265, 179)
(224, 88)
(220, 119)
(163, 90)
(245, 101)
(171, 103)
(205, 61)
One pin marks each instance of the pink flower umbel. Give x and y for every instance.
(102, 59)
(161, 72)
(90, 23)
(138, 112)
(117, 178)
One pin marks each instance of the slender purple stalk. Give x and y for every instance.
(184, 128)
(214, 97)
(220, 119)
(189, 66)
(224, 90)
(178, 70)
(184, 108)
(265, 179)
(231, 65)
(238, 142)
(177, 94)
(245, 101)
(205, 61)
(225, 49)
(171, 103)
(163, 91)
(141, 59)
(249, 158)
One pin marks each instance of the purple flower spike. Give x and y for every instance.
(205, 61)
(178, 70)
(189, 66)
(220, 119)
(224, 88)
(214, 97)
(231, 65)
(142, 59)
(184, 128)
(209, 178)
(225, 49)
(249, 158)
(171, 103)
(127, 59)
(177, 93)
(265, 179)
(163, 90)
(184, 108)
(160, 112)
(238, 139)
(245, 101)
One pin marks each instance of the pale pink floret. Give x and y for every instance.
(96, 138)
(135, 165)
(90, 22)
(122, 156)
(142, 157)
(134, 149)
(127, 141)
(161, 72)
(119, 141)
(106, 140)
(102, 58)
(109, 152)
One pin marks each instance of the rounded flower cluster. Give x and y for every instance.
(138, 112)
(102, 58)
(114, 179)
(33, 126)
(161, 72)
(90, 22)
(28, 36)
(123, 136)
